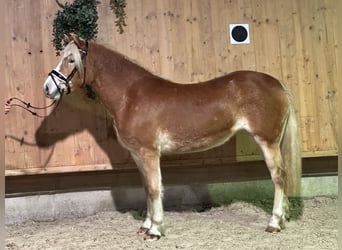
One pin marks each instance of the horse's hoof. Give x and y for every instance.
(271, 229)
(142, 230)
(151, 237)
(287, 218)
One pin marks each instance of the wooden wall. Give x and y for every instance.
(185, 41)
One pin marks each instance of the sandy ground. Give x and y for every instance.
(238, 225)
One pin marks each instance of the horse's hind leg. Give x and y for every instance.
(276, 167)
(148, 164)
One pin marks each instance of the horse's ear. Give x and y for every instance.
(67, 39)
(78, 41)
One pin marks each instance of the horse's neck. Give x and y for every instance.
(112, 77)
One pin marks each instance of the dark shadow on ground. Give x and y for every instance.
(295, 205)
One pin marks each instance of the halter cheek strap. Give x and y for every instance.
(66, 81)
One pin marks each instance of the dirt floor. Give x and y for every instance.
(238, 225)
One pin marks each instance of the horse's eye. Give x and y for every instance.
(71, 60)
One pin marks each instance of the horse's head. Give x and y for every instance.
(69, 72)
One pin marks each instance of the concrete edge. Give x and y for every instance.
(49, 207)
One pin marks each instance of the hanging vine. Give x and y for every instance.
(118, 8)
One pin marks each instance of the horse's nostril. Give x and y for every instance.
(46, 89)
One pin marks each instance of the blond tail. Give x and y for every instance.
(290, 150)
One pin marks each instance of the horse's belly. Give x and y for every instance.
(169, 145)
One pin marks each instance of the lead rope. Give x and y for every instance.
(56, 103)
(28, 106)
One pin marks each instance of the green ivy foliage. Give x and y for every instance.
(79, 17)
(118, 8)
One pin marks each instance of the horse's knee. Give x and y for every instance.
(278, 174)
(154, 189)
(278, 180)
(154, 192)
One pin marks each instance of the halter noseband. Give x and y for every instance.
(67, 80)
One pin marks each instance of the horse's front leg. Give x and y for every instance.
(148, 164)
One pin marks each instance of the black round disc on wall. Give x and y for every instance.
(239, 33)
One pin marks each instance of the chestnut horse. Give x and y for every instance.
(154, 116)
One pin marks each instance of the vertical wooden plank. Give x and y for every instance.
(288, 51)
(151, 35)
(165, 46)
(323, 80)
(197, 57)
(220, 36)
(332, 79)
(206, 45)
(266, 38)
(19, 67)
(179, 17)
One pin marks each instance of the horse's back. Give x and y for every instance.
(237, 81)
(233, 92)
